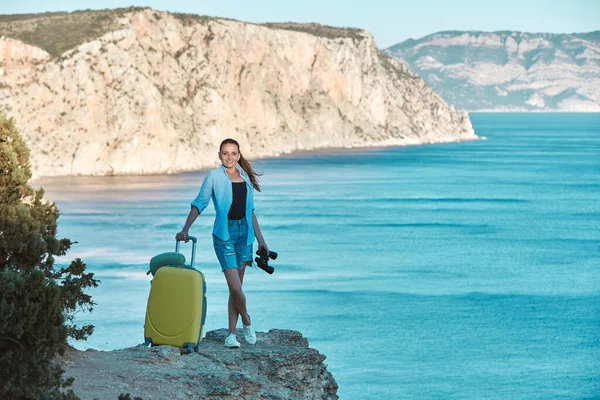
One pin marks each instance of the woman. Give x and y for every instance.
(231, 188)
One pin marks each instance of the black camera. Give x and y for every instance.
(263, 260)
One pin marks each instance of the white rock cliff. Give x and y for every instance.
(158, 95)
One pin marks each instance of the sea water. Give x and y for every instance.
(464, 270)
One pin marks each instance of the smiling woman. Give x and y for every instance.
(231, 188)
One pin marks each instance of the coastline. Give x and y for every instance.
(357, 149)
(36, 180)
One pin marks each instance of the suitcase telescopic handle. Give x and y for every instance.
(194, 240)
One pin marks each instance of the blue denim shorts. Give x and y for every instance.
(233, 252)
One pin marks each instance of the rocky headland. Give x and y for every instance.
(138, 91)
(279, 366)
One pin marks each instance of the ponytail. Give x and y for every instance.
(245, 164)
(252, 174)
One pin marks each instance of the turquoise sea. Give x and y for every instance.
(453, 271)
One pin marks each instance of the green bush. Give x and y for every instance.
(38, 300)
(32, 331)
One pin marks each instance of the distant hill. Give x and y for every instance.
(508, 71)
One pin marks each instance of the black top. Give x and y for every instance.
(238, 205)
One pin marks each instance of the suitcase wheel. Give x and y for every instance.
(188, 347)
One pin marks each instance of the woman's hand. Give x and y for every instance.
(263, 245)
(182, 236)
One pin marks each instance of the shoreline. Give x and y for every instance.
(36, 181)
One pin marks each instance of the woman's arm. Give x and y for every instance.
(198, 205)
(258, 233)
(188, 223)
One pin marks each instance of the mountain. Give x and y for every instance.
(134, 91)
(508, 71)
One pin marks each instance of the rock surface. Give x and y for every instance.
(508, 71)
(157, 94)
(279, 366)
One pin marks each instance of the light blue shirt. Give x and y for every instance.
(217, 186)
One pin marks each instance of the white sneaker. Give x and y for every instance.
(249, 334)
(232, 342)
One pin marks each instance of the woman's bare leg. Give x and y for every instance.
(231, 312)
(237, 299)
(232, 315)
(241, 274)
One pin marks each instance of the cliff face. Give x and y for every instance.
(279, 366)
(508, 71)
(157, 93)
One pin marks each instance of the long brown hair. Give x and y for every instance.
(245, 164)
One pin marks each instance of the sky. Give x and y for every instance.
(390, 22)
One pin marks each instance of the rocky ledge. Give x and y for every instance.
(279, 366)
